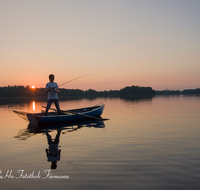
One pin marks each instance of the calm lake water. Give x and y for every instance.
(145, 144)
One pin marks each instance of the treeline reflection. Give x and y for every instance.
(22, 102)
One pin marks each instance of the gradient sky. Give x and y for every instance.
(120, 43)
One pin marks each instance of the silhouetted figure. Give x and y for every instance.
(53, 153)
(52, 90)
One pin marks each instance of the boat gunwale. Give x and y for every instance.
(40, 115)
(75, 111)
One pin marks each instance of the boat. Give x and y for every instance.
(79, 114)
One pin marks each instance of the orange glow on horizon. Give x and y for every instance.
(33, 87)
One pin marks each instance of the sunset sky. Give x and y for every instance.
(119, 43)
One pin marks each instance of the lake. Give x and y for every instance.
(145, 144)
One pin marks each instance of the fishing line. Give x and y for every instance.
(72, 80)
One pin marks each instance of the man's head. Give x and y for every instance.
(53, 165)
(51, 77)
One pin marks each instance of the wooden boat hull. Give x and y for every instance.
(53, 118)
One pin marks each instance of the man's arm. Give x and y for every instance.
(56, 89)
(48, 89)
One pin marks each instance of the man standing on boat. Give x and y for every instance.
(52, 90)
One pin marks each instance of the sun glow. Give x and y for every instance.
(33, 105)
(33, 87)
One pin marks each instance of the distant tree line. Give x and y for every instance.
(191, 91)
(177, 92)
(20, 91)
(136, 92)
(129, 91)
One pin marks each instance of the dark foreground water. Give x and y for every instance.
(146, 144)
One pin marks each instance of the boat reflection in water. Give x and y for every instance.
(53, 152)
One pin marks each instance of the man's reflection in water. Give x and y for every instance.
(53, 153)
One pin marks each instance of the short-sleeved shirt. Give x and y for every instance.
(52, 94)
(54, 153)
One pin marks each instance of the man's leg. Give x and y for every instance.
(57, 139)
(49, 102)
(49, 139)
(57, 106)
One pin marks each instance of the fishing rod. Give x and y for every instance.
(72, 80)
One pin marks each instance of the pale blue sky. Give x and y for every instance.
(120, 42)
